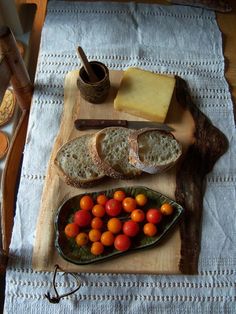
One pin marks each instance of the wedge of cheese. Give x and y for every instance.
(145, 94)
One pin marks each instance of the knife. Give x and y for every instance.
(86, 124)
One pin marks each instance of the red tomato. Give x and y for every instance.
(82, 218)
(122, 242)
(129, 204)
(131, 228)
(86, 202)
(113, 207)
(154, 215)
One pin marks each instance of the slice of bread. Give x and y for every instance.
(152, 150)
(75, 165)
(110, 151)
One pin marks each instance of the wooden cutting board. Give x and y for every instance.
(162, 259)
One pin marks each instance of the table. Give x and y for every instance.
(213, 290)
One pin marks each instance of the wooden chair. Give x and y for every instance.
(13, 71)
(35, 33)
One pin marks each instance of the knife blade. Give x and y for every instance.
(86, 124)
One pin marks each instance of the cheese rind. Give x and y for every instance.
(145, 94)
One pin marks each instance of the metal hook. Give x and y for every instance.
(56, 299)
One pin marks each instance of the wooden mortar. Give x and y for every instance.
(94, 92)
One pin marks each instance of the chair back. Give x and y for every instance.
(12, 71)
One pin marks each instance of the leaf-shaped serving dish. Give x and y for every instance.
(71, 252)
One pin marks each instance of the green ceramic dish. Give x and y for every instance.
(69, 250)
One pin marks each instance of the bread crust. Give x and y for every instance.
(101, 163)
(134, 157)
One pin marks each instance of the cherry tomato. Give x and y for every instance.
(86, 202)
(113, 207)
(166, 209)
(81, 239)
(141, 199)
(122, 242)
(97, 248)
(107, 238)
(129, 204)
(154, 215)
(131, 228)
(82, 218)
(119, 195)
(71, 230)
(102, 199)
(96, 223)
(114, 225)
(149, 229)
(138, 215)
(94, 235)
(98, 210)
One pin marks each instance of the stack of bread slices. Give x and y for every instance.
(116, 152)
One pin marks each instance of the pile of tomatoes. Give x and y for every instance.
(99, 223)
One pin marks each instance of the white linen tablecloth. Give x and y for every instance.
(169, 39)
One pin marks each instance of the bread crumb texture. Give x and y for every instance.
(113, 148)
(74, 159)
(157, 148)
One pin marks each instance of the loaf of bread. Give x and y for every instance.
(153, 151)
(110, 151)
(75, 165)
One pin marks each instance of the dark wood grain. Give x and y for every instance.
(210, 144)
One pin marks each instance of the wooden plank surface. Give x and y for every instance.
(162, 259)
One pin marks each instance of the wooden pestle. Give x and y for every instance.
(92, 76)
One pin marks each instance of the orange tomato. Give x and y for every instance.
(81, 239)
(141, 199)
(114, 225)
(94, 235)
(149, 229)
(119, 195)
(98, 210)
(96, 223)
(129, 204)
(86, 202)
(97, 248)
(71, 230)
(166, 209)
(137, 215)
(102, 199)
(107, 238)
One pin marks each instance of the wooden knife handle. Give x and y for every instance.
(86, 124)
